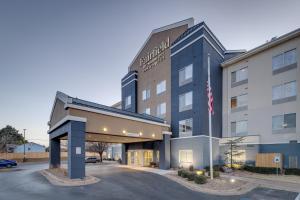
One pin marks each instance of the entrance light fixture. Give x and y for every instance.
(140, 133)
(104, 129)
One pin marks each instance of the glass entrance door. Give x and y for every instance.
(148, 157)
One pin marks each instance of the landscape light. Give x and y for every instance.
(199, 172)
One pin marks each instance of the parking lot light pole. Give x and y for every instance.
(24, 158)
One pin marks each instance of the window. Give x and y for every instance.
(186, 75)
(186, 101)
(239, 128)
(147, 111)
(284, 90)
(185, 127)
(281, 122)
(185, 158)
(128, 101)
(239, 101)
(284, 59)
(161, 110)
(239, 75)
(161, 87)
(146, 94)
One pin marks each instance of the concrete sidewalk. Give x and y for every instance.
(148, 169)
(279, 185)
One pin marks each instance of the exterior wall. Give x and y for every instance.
(59, 112)
(129, 88)
(259, 88)
(29, 147)
(292, 149)
(162, 71)
(200, 147)
(97, 122)
(196, 54)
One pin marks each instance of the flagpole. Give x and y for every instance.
(209, 123)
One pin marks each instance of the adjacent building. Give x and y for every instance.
(261, 99)
(30, 147)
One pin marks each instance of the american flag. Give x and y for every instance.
(210, 99)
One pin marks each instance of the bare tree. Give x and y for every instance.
(233, 150)
(98, 147)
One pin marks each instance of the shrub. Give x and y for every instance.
(191, 168)
(262, 170)
(191, 176)
(216, 174)
(292, 171)
(184, 174)
(179, 172)
(200, 179)
(215, 167)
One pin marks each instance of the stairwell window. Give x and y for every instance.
(186, 75)
(185, 127)
(186, 101)
(128, 102)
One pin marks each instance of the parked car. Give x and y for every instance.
(91, 160)
(7, 163)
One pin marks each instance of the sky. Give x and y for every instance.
(83, 47)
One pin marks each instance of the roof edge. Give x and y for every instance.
(263, 47)
(189, 22)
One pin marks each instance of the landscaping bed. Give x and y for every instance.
(198, 180)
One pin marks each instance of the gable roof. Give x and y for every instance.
(71, 101)
(189, 22)
(263, 47)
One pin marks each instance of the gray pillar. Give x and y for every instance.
(124, 154)
(164, 152)
(76, 150)
(54, 153)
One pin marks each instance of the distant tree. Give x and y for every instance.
(233, 150)
(98, 147)
(10, 135)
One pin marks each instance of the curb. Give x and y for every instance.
(66, 181)
(238, 191)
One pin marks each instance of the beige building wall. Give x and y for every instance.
(259, 89)
(150, 78)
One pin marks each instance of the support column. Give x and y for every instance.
(54, 161)
(76, 150)
(124, 154)
(164, 152)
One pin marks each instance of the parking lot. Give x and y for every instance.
(25, 182)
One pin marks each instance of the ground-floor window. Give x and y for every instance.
(185, 158)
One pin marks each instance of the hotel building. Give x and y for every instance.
(163, 115)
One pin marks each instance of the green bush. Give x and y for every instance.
(262, 170)
(215, 167)
(184, 174)
(292, 171)
(216, 174)
(179, 172)
(191, 176)
(200, 179)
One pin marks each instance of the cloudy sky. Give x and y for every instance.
(83, 48)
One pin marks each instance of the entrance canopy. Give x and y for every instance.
(106, 124)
